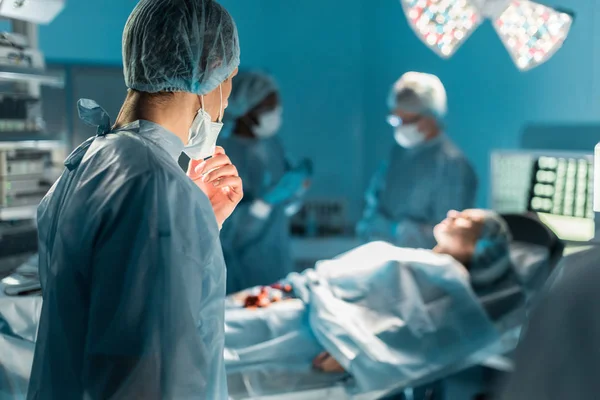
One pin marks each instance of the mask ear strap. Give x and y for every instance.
(220, 119)
(202, 102)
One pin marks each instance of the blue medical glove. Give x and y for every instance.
(304, 167)
(293, 208)
(291, 183)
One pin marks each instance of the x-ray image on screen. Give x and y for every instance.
(557, 186)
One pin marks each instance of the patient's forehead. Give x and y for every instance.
(475, 214)
(477, 220)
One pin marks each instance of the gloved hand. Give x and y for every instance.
(287, 187)
(376, 227)
(305, 166)
(293, 208)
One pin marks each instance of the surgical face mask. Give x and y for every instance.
(268, 123)
(204, 133)
(408, 136)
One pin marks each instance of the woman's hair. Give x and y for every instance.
(159, 98)
(491, 259)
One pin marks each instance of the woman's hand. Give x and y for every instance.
(326, 363)
(218, 178)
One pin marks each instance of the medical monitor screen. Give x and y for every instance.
(557, 186)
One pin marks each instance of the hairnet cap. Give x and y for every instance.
(419, 93)
(179, 46)
(491, 259)
(249, 90)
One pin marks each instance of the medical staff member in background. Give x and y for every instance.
(131, 265)
(256, 239)
(426, 174)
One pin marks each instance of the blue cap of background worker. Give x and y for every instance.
(415, 96)
(250, 89)
(419, 93)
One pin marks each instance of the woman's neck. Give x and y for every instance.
(171, 112)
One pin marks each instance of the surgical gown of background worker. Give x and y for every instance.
(256, 247)
(413, 192)
(132, 272)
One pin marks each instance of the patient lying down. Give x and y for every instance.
(381, 313)
(478, 239)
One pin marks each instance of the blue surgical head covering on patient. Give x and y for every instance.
(491, 259)
(179, 46)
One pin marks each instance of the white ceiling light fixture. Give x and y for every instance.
(531, 32)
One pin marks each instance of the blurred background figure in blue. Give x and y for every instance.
(559, 353)
(426, 174)
(256, 240)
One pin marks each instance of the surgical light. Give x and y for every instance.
(531, 32)
(442, 24)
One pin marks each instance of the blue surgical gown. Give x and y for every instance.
(414, 190)
(133, 276)
(257, 250)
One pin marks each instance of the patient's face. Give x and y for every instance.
(457, 235)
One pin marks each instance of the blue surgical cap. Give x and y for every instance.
(491, 259)
(249, 90)
(419, 93)
(179, 46)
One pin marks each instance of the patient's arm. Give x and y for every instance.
(326, 363)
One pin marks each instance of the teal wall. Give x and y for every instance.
(335, 62)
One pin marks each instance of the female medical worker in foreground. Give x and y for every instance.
(256, 239)
(130, 260)
(426, 175)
